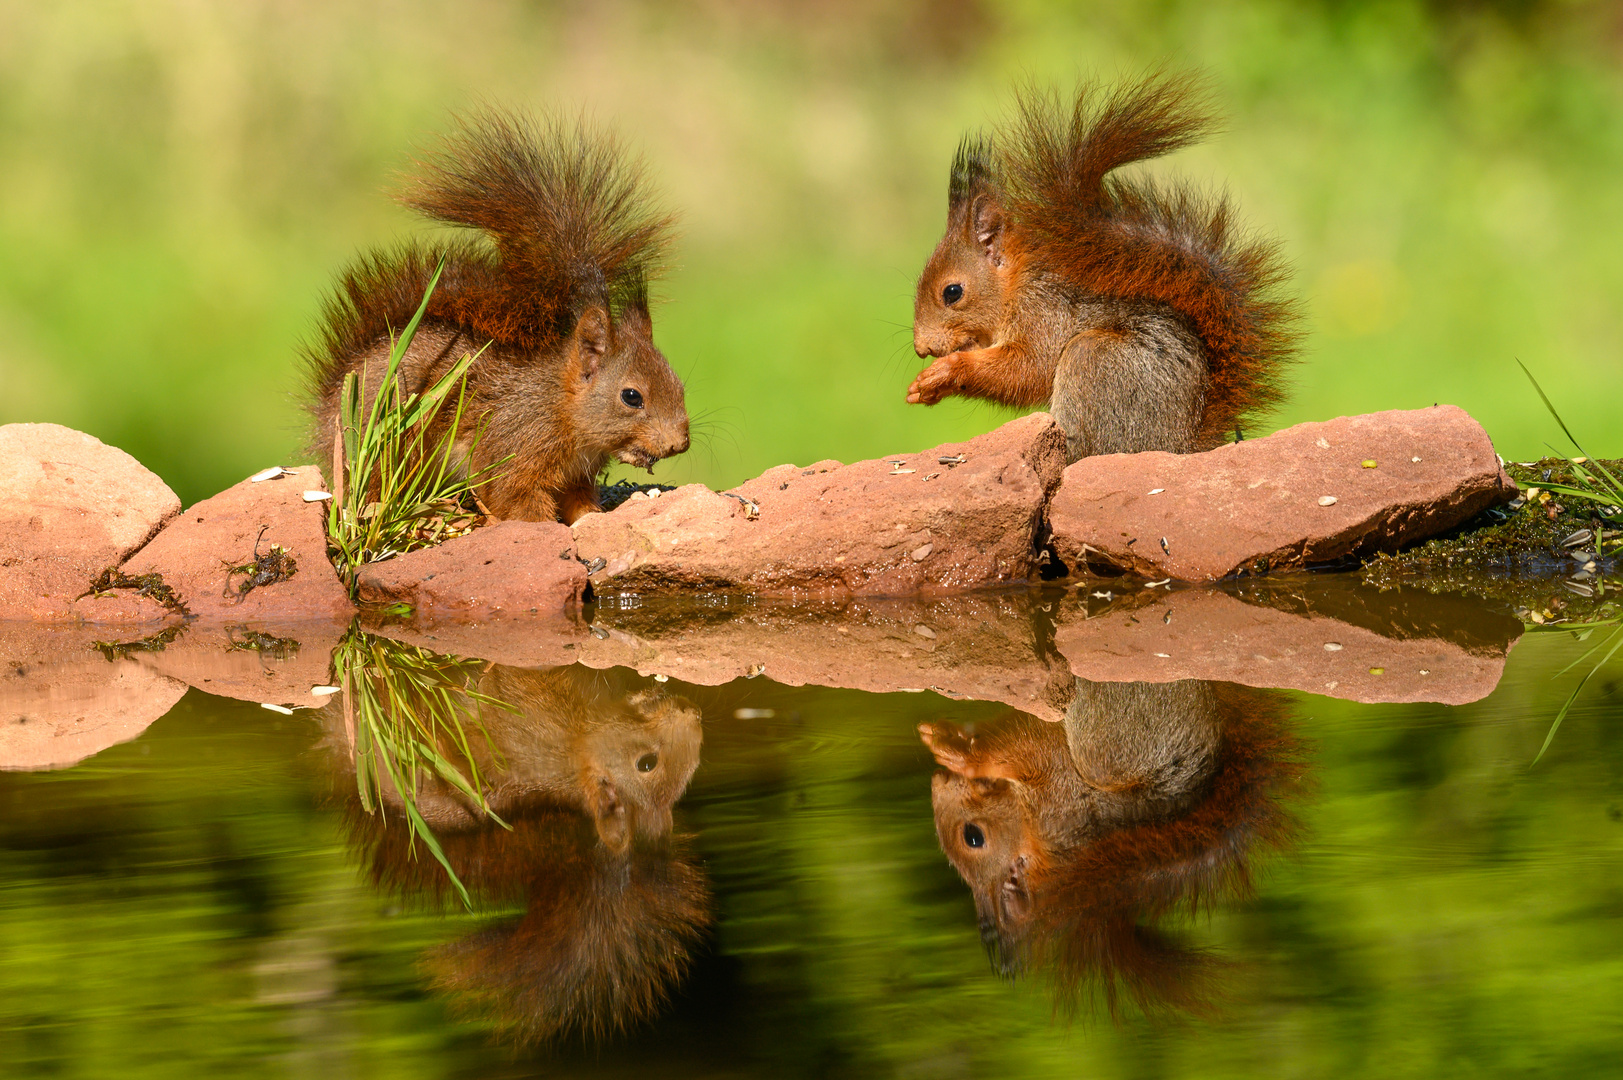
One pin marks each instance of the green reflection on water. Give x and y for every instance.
(188, 904)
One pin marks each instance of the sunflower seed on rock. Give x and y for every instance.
(1327, 500)
(599, 633)
(924, 631)
(596, 564)
(922, 552)
(273, 473)
(1582, 536)
(317, 496)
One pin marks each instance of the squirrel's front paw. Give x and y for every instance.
(935, 382)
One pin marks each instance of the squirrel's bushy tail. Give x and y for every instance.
(568, 209)
(1110, 236)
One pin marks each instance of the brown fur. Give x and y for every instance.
(1150, 798)
(615, 903)
(556, 295)
(1138, 312)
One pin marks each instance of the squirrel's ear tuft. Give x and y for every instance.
(972, 172)
(591, 340)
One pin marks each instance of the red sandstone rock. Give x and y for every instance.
(71, 506)
(62, 700)
(1206, 633)
(977, 647)
(196, 549)
(506, 570)
(899, 525)
(1309, 494)
(279, 663)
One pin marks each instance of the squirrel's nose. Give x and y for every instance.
(680, 444)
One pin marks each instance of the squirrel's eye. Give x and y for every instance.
(952, 293)
(647, 762)
(631, 397)
(973, 836)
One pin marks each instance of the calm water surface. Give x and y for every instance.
(1191, 878)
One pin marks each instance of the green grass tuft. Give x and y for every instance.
(397, 492)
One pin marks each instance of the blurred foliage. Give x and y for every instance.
(183, 904)
(179, 182)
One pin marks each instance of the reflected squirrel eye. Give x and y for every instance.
(952, 293)
(647, 762)
(631, 397)
(973, 836)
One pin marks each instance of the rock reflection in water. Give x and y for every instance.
(586, 772)
(1079, 839)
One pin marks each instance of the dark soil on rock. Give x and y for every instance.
(1550, 558)
(612, 495)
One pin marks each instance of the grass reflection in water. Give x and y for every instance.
(562, 804)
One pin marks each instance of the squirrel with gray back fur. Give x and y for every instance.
(1137, 312)
(555, 294)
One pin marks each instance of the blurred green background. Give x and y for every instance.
(180, 180)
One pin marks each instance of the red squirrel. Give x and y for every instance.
(583, 768)
(1078, 838)
(1138, 312)
(555, 294)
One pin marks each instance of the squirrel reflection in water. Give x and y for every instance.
(1076, 838)
(586, 774)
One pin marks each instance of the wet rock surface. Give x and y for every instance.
(959, 516)
(1311, 494)
(275, 663)
(506, 570)
(1023, 647)
(70, 507)
(214, 549)
(984, 648)
(63, 699)
(1326, 638)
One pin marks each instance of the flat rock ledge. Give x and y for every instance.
(959, 516)
(70, 507)
(507, 570)
(962, 516)
(197, 552)
(1311, 494)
